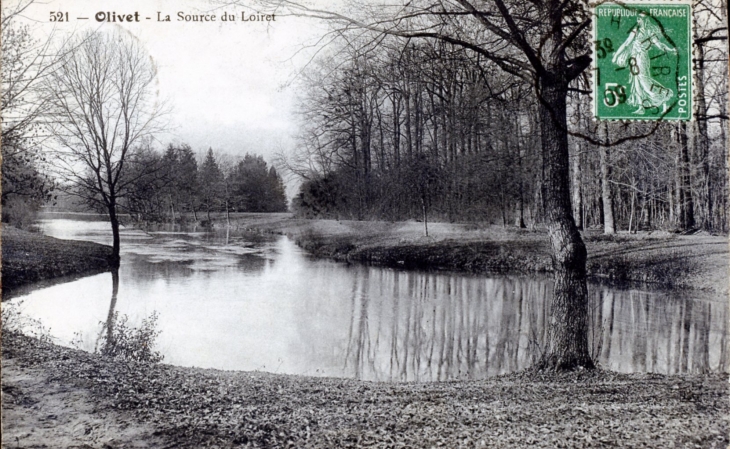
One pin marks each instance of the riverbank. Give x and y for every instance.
(29, 257)
(669, 260)
(90, 400)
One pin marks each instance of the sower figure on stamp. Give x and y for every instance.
(645, 91)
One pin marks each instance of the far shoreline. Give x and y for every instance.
(661, 259)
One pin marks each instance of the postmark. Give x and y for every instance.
(642, 56)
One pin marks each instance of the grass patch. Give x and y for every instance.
(30, 257)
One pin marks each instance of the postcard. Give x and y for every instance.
(361, 223)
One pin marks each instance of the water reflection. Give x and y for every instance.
(662, 333)
(109, 324)
(246, 302)
(82, 337)
(416, 326)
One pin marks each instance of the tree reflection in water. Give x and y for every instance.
(108, 325)
(427, 327)
(119, 340)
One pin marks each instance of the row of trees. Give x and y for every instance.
(416, 128)
(412, 128)
(164, 186)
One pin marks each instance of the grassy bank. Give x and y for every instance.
(668, 260)
(29, 257)
(195, 408)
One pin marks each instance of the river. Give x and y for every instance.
(244, 301)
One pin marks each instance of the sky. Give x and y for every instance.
(231, 85)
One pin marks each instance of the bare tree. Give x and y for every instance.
(24, 63)
(104, 104)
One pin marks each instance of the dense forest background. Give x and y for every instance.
(178, 185)
(159, 186)
(395, 128)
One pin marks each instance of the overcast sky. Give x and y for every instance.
(228, 83)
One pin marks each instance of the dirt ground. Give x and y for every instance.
(38, 413)
(60, 397)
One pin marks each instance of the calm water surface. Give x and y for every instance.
(247, 302)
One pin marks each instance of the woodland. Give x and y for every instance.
(402, 128)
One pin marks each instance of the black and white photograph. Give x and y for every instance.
(365, 224)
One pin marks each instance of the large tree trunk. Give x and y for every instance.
(723, 181)
(567, 345)
(577, 189)
(700, 145)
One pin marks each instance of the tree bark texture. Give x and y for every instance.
(577, 190)
(567, 345)
(685, 202)
(700, 145)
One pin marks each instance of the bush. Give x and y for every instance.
(13, 320)
(19, 213)
(130, 343)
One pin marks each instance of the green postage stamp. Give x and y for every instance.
(642, 57)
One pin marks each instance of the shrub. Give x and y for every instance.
(126, 342)
(13, 320)
(19, 213)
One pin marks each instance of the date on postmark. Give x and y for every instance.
(642, 55)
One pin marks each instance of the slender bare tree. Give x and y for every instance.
(103, 97)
